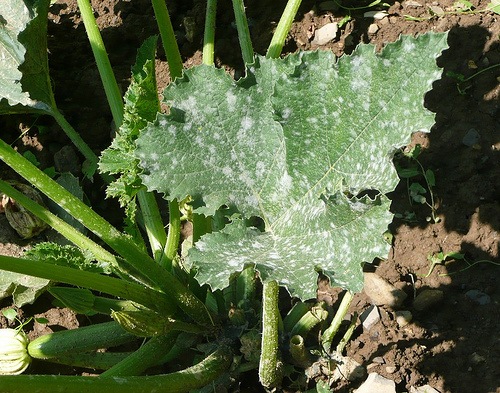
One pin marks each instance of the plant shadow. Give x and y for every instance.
(456, 340)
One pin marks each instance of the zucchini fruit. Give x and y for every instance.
(84, 339)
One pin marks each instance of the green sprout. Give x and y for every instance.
(462, 7)
(461, 79)
(441, 258)
(417, 192)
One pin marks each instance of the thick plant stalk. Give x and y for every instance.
(284, 25)
(347, 335)
(111, 89)
(243, 31)
(79, 210)
(329, 333)
(174, 235)
(183, 381)
(308, 321)
(42, 9)
(245, 288)
(209, 36)
(59, 225)
(299, 352)
(298, 310)
(110, 285)
(168, 38)
(175, 66)
(153, 223)
(269, 373)
(132, 254)
(83, 301)
(146, 356)
(120, 267)
(149, 208)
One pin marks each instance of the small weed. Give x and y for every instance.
(440, 258)
(11, 315)
(462, 7)
(416, 191)
(461, 79)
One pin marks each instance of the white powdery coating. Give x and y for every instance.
(295, 180)
(246, 123)
(231, 101)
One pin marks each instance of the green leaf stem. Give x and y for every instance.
(191, 378)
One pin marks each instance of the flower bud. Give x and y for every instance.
(14, 358)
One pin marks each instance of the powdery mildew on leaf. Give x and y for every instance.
(220, 143)
(15, 17)
(289, 143)
(23, 57)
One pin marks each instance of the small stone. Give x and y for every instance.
(485, 62)
(436, 10)
(412, 3)
(427, 298)
(478, 297)
(325, 34)
(66, 160)
(375, 14)
(370, 317)
(390, 369)
(346, 368)
(375, 383)
(403, 317)
(373, 28)
(477, 358)
(381, 292)
(423, 389)
(471, 138)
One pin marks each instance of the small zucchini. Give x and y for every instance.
(88, 338)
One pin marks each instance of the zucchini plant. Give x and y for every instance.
(283, 173)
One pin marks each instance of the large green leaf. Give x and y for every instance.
(24, 79)
(294, 143)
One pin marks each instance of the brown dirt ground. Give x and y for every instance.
(454, 346)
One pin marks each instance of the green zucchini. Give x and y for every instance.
(88, 338)
(94, 360)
